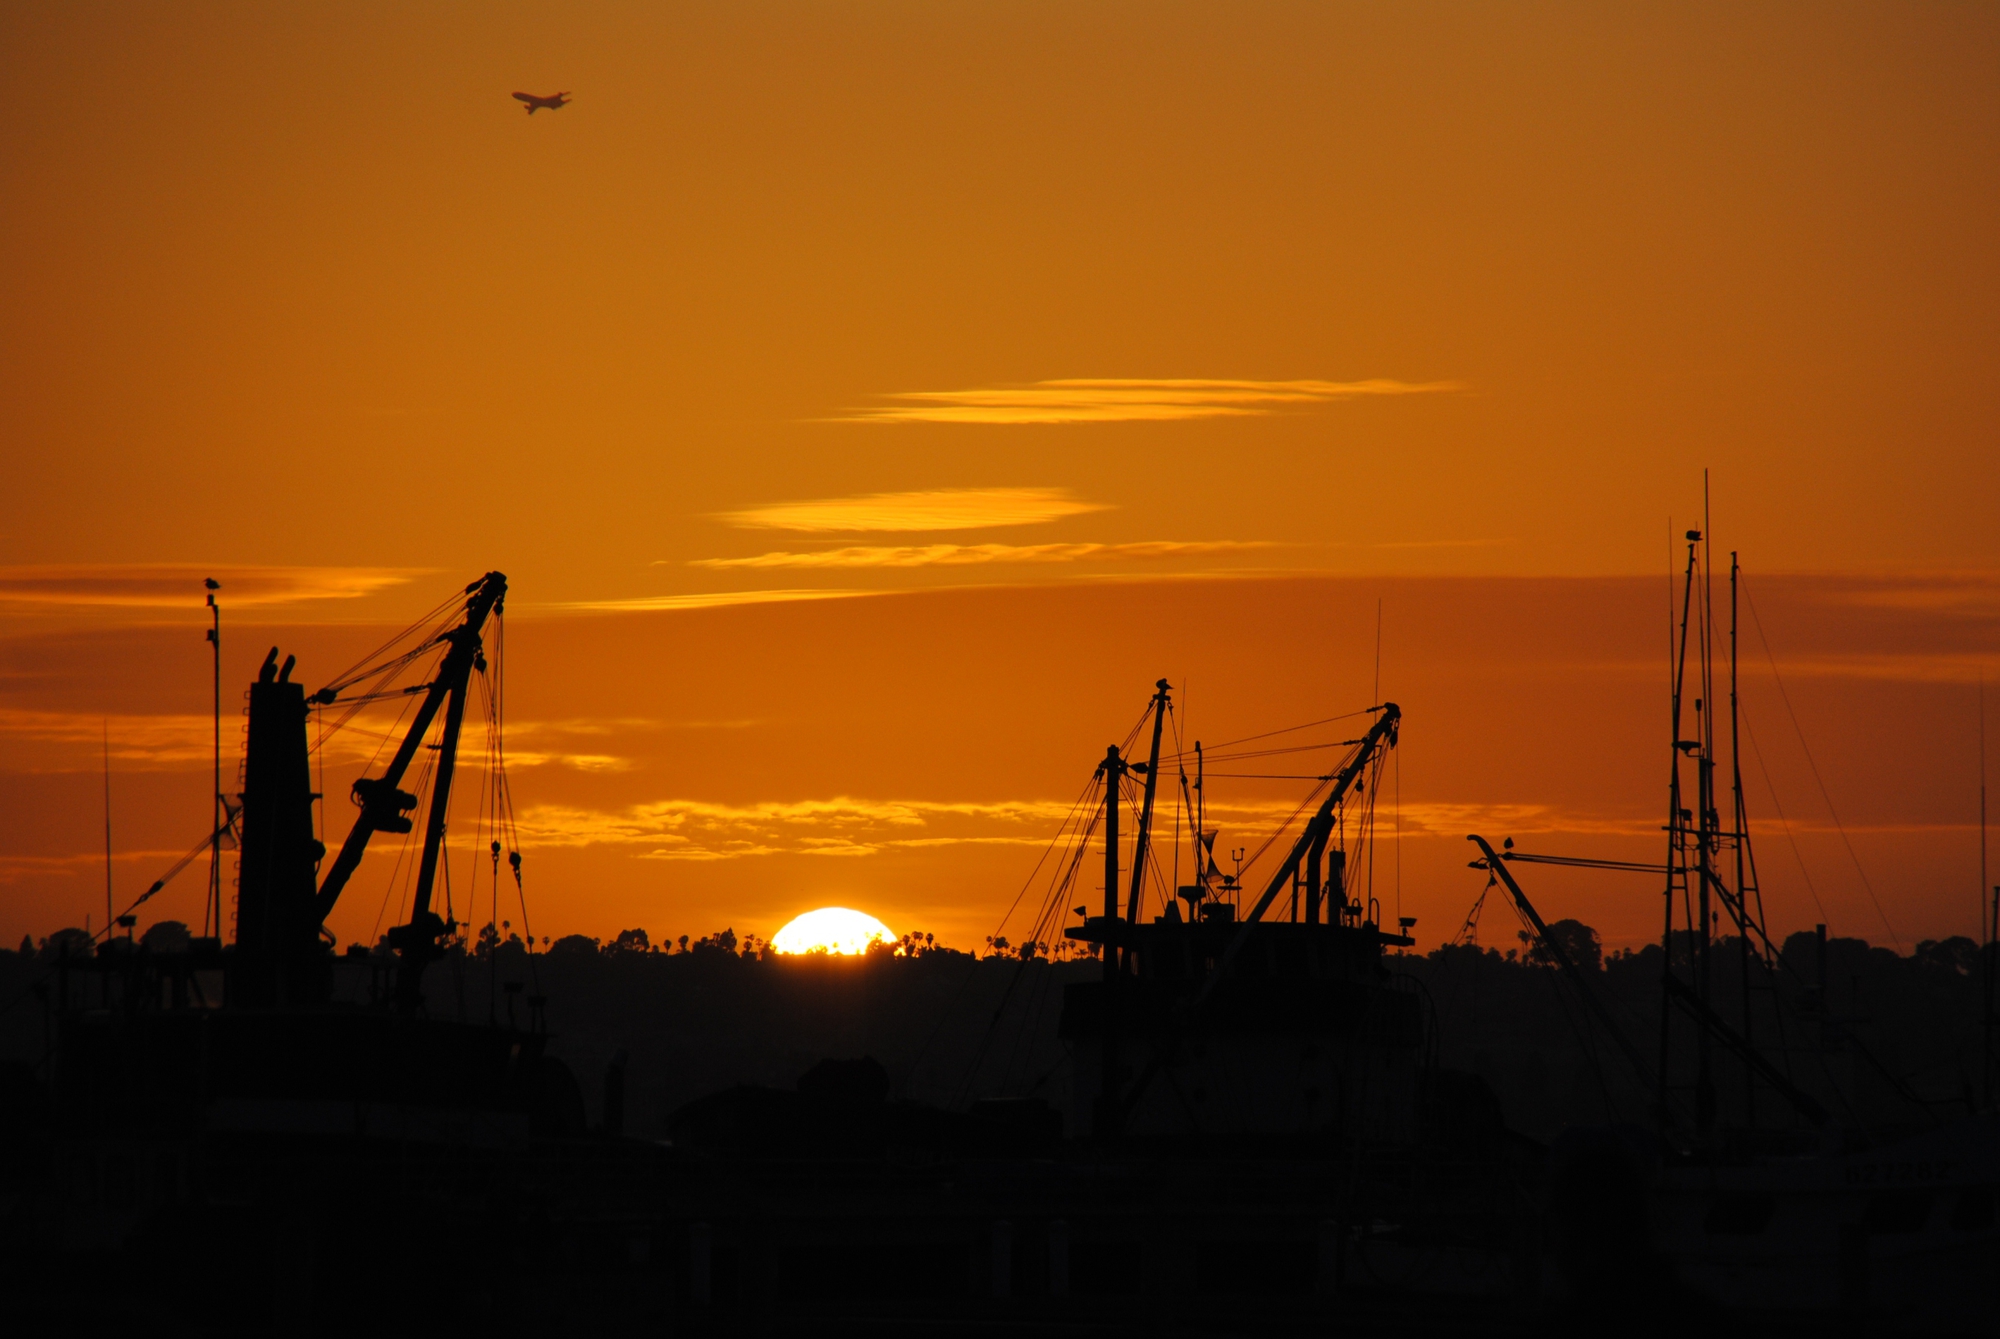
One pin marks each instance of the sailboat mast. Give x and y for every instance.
(1740, 823)
(1112, 769)
(1201, 857)
(1989, 921)
(211, 907)
(107, 830)
(1676, 831)
(1705, 824)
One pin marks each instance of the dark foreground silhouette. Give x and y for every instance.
(950, 1029)
(811, 1143)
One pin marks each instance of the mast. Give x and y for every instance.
(1112, 769)
(1677, 817)
(1152, 766)
(1105, 1118)
(1989, 922)
(1705, 826)
(107, 831)
(1202, 857)
(211, 907)
(1740, 821)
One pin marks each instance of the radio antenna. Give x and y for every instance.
(211, 909)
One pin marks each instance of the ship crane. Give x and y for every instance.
(385, 806)
(1311, 843)
(1120, 939)
(1496, 863)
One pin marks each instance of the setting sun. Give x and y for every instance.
(831, 930)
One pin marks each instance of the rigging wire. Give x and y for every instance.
(428, 620)
(1213, 756)
(1784, 824)
(1811, 762)
(1293, 729)
(1062, 881)
(1398, 799)
(1567, 1007)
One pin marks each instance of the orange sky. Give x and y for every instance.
(1122, 341)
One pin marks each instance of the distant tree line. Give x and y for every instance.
(1880, 1036)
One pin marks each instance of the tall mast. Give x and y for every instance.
(1989, 923)
(211, 907)
(1676, 825)
(1104, 1120)
(1705, 823)
(108, 913)
(1112, 769)
(1201, 855)
(1740, 823)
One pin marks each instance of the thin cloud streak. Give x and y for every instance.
(704, 600)
(80, 738)
(934, 509)
(1970, 594)
(1128, 400)
(15, 868)
(178, 585)
(76, 741)
(1440, 544)
(847, 826)
(966, 555)
(843, 825)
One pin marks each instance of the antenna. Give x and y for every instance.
(1989, 928)
(108, 913)
(211, 908)
(1378, 650)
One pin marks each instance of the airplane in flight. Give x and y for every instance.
(536, 103)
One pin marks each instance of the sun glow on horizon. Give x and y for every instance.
(831, 930)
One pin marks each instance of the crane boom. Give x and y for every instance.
(1321, 825)
(383, 805)
(1146, 807)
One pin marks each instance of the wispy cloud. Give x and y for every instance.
(840, 826)
(1445, 819)
(78, 741)
(581, 762)
(968, 555)
(1127, 400)
(1911, 667)
(701, 830)
(67, 741)
(1505, 820)
(16, 868)
(1972, 594)
(937, 509)
(178, 585)
(620, 725)
(705, 600)
(1440, 543)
